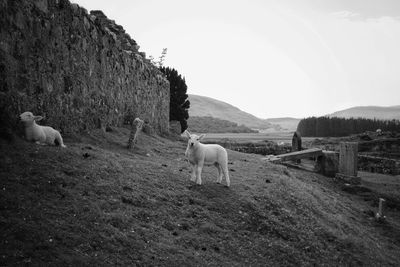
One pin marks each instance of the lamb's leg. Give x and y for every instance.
(59, 139)
(226, 174)
(219, 178)
(193, 173)
(198, 173)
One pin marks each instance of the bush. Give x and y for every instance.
(179, 103)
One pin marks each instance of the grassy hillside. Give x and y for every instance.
(214, 125)
(97, 203)
(370, 112)
(201, 106)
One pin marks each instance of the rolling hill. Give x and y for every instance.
(369, 112)
(201, 106)
(214, 125)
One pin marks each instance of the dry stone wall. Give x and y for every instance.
(379, 164)
(80, 70)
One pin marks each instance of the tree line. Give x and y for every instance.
(335, 127)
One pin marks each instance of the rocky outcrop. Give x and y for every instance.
(81, 71)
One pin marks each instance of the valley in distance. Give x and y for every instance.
(221, 120)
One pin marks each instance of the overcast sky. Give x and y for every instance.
(273, 58)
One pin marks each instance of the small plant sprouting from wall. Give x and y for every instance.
(160, 62)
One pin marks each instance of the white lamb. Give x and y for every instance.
(199, 153)
(40, 134)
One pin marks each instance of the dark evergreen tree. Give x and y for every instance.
(179, 103)
(327, 126)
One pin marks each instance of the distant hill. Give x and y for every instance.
(369, 112)
(201, 106)
(286, 123)
(214, 125)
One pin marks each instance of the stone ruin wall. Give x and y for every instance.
(81, 71)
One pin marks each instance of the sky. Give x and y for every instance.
(272, 58)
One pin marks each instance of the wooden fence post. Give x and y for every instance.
(137, 126)
(380, 216)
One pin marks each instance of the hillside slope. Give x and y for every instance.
(202, 106)
(97, 203)
(214, 125)
(370, 112)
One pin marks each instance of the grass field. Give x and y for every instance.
(96, 203)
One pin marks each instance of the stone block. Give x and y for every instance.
(348, 158)
(296, 142)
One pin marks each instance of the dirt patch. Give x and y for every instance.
(97, 203)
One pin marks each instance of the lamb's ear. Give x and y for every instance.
(201, 136)
(38, 118)
(186, 132)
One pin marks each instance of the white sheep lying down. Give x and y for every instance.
(40, 134)
(200, 154)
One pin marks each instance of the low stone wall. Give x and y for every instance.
(81, 71)
(378, 165)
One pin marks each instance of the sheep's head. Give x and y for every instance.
(193, 140)
(29, 117)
